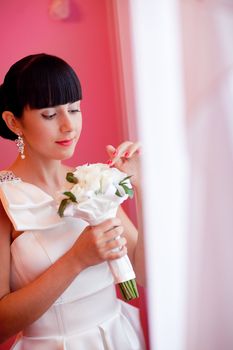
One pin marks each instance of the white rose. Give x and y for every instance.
(79, 192)
(115, 174)
(106, 182)
(98, 180)
(89, 176)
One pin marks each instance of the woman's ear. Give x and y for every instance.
(12, 123)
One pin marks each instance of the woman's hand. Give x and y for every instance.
(126, 157)
(98, 243)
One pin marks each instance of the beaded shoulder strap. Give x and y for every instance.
(8, 176)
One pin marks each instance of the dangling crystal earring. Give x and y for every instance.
(20, 144)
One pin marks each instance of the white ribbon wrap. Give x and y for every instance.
(95, 211)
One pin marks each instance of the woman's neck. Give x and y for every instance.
(47, 174)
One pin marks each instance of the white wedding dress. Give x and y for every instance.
(88, 315)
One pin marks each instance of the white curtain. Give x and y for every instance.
(182, 59)
(158, 96)
(208, 52)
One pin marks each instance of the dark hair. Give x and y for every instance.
(37, 81)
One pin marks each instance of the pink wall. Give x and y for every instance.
(83, 41)
(86, 41)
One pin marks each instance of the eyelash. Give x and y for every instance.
(53, 115)
(74, 111)
(48, 116)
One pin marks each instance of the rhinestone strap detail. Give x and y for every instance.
(8, 176)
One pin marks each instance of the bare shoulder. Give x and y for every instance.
(5, 238)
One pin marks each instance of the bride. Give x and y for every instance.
(56, 289)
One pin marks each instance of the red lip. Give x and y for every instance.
(65, 142)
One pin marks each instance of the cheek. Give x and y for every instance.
(40, 133)
(79, 125)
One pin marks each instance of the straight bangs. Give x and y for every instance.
(48, 84)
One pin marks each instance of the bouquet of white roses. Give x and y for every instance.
(95, 196)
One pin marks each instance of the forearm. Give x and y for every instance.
(139, 252)
(20, 308)
(126, 158)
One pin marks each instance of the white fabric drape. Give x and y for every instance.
(156, 54)
(182, 58)
(208, 52)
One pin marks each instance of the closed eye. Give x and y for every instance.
(74, 111)
(50, 116)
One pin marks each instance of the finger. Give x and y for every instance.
(118, 243)
(111, 239)
(134, 148)
(110, 236)
(115, 232)
(111, 150)
(119, 152)
(124, 152)
(106, 226)
(122, 148)
(114, 244)
(116, 255)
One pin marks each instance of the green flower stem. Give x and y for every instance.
(129, 289)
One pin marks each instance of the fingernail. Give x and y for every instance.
(126, 154)
(109, 162)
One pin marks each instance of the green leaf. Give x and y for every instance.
(128, 190)
(71, 196)
(62, 206)
(71, 178)
(125, 178)
(117, 193)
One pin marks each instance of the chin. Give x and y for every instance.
(67, 155)
(65, 158)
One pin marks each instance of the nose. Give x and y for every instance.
(66, 124)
